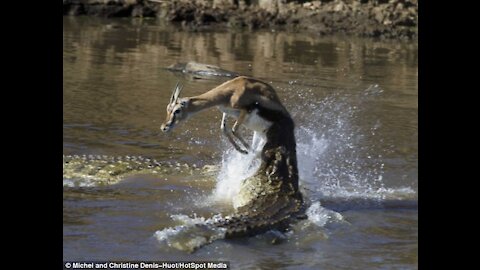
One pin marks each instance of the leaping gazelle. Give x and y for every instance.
(253, 103)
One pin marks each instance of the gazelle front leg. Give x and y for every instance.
(228, 133)
(236, 126)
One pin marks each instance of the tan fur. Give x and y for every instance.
(236, 98)
(239, 93)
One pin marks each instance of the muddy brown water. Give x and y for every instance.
(354, 102)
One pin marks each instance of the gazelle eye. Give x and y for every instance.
(176, 112)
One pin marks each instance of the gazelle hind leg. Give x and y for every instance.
(258, 141)
(236, 126)
(244, 143)
(228, 133)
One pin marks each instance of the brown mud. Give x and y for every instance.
(366, 18)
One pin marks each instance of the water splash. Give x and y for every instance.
(333, 159)
(193, 233)
(234, 169)
(339, 153)
(334, 165)
(321, 216)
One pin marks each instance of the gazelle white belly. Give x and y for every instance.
(230, 111)
(255, 122)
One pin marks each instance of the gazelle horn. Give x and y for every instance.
(176, 92)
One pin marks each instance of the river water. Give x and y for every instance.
(354, 102)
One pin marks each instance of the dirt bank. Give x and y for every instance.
(370, 18)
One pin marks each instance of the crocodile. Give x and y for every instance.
(194, 70)
(272, 199)
(108, 170)
(269, 200)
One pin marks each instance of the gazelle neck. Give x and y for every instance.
(198, 103)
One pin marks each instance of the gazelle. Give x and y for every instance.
(253, 103)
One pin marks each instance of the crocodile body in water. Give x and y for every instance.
(194, 70)
(269, 200)
(101, 170)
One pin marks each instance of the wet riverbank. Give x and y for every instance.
(366, 18)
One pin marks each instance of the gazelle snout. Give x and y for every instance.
(165, 127)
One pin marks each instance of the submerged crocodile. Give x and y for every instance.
(93, 170)
(196, 70)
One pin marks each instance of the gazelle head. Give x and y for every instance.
(175, 109)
